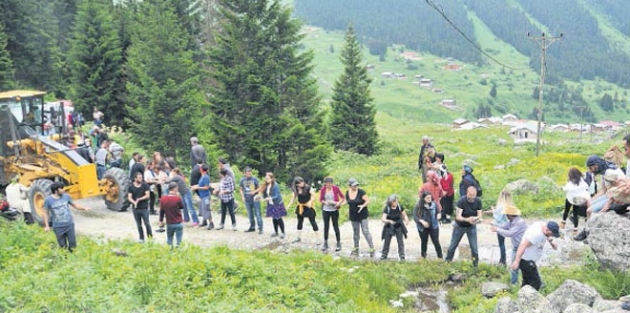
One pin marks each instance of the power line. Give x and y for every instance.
(441, 11)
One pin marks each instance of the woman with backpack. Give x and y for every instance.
(468, 179)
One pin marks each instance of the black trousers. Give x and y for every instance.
(334, 215)
(530, 274)
(435, 239)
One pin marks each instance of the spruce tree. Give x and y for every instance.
(265, 108)
(95, 62)
(352, 125)
(6, 66)
(163, 87)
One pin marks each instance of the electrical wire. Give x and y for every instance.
(439, 9)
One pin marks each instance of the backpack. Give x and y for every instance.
(477, 186)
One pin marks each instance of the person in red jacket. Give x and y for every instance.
(171, 206)
(331, 198)
(447, 200)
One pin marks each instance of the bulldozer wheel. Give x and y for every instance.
(117, 184)
(40, 189)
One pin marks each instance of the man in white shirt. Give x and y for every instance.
(530, 251)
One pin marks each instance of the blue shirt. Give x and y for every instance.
(204, 181)
(59, 210)
(249, 184)
(514, 229)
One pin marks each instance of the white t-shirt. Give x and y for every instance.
(607, 184)
(537, 238)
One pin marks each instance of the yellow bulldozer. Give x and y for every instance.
(37, 157)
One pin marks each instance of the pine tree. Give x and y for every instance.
(493, 91)
(6, 66)
(265, 108)
(95, 61)
(163, 87)
(352, 126)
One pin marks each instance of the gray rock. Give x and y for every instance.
(490, 289)
(610, 245)
(601, 305)
(572, 292)
(506, 305)
(502, 142)
(578, 308)
(521, 186)
(530, 301)
(499, 167)
(617, 310)
(513, 162)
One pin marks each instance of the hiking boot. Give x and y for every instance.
(338, 248)
(260, 231)
(234, 228)
(220, 227)
(274, 235)
(581, 236)
(355, 251)
(371, 251)
(204, 223)
(250, 230)
(211, 226)
(325, 247)
(282, 236)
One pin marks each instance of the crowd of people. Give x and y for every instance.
(159, 180)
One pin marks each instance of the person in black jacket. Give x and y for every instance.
(426, 216)
(395, 218)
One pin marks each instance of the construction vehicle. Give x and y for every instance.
(37, 160)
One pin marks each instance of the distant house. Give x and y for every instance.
(458, 123)
(426, 83)
(576, 128)
(471, 126)
(509, 118)
(418, 77)
(559, 128)
(524, 132)
(413, 56)
(387, 75)
(490, 121)
(611, 124)
(449, 103)
(369, 67)
(598, 128)
(400, 76)
(452, 67)
(438, 90)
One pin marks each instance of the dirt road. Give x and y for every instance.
(100, 222)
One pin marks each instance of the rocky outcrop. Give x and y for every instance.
(578, 308)
(572, 292)
(491, 289)
(609, 238)
(530, 301)
(521, 186)
(506, 305)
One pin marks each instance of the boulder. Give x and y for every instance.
(521, 186)
(490, 289)
(513, 162)
(572, 292)
(506, 305)
(578, 308)
(502, 142)
(610, 245)
(602, 305)
(530, 301)
(617, 310)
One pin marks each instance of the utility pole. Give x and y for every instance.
(544, 42)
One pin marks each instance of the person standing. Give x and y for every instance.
(424, 150)
(189, 213)
(305, 197)
(275, 207)
(57, 204)
(530, 250)
(138, 195)
(331, 198)
(116, 151)
(426, 216)
(171, 207)
(151, 179)
(226, 194)
(468, 179)
(499, 218)
(197, 152)
(434, 188)
(468, 215)
(133, 160)
(223, 164)
(577, 195)
(395, 220)
(137, 167)
(97, 115)
(446, 201)
(514, 229)
(248, 186)
(100, 159)
(358, 201)
(203, 190)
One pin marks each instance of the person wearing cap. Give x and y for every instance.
(197, 152)
(424, 150)
(248, 187)
(530, 250)
(358, 200)
(171, 206)
(331, 198)
(514, 229)
(304, 194)
(500, 218)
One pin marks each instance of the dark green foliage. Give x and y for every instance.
(352, 125)
(163, 86)
(493, 91)
(264, 103)
(95, 62)
(483, 111)
(6, 65)
(606, 103)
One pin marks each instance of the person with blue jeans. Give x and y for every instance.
(171, 207)
(203, 190)
(248, 188)
(57, 204)
(514, 229)
(499, 218)
(469, 210)
(189, 213)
